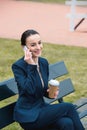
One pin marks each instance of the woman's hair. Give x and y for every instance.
(26, 34)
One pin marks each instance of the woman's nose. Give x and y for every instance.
(38, 46)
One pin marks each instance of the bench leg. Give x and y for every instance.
(60, 100)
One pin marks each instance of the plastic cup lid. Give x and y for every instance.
(54, 82)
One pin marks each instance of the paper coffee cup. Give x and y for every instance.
(53, 87)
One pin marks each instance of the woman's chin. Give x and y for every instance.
(37, 55)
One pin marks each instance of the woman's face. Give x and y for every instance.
(34, 44)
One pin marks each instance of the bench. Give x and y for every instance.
(8, 88)
(73, 15)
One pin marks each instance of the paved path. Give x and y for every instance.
(49, 19)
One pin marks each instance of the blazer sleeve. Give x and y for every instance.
(46, 93)
(26, 82)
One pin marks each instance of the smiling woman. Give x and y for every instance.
(33, 46)
(31, 73)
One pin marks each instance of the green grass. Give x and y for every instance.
(48, 1)
(75, 59)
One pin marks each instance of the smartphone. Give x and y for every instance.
(25, 48)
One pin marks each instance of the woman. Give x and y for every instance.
(31, 74)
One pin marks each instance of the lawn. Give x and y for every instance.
(49, 1)
(75, 59)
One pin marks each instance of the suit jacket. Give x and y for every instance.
(30, 89)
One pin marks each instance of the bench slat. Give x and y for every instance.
(83, 114)
(8, 88)
(56, 70)
(6, 115)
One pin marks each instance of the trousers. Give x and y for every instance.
(62, 116)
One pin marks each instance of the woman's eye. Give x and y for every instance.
(32, 44)
(40, 42)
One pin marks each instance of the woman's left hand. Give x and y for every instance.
(55, 94)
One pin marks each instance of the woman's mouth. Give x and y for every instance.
(38, 52)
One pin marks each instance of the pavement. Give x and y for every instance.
(49, 20)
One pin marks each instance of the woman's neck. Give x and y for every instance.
(35, 60)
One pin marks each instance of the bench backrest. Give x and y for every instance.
(8, 88)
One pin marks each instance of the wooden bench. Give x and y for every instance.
(8, 88)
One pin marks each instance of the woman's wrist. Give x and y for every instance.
(31, 61)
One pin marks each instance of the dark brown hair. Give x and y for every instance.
(26, 34)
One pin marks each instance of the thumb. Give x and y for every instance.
(48, 90)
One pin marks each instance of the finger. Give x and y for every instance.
(47, 90)
(28, 53)
(56, 93)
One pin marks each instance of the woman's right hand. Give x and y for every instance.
(28, 57)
